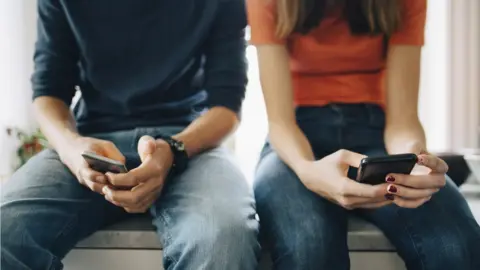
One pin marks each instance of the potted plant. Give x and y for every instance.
(30, 144)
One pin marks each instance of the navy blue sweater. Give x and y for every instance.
(141, 63)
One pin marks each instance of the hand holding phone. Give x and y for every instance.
(374, 170)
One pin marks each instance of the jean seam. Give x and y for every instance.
(166, 234)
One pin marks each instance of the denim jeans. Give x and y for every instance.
(205, 217)
(305, 231)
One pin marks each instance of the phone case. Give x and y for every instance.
(374, 170)
(103, 164)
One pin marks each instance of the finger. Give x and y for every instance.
(375, 205)
(142, 202)
(111, 151)
(146, 147)
(135, 176)
(143, 206)
(120, 197)
(135, 196)
(93, 186)
(429, 181)
(352, 202)
(353, 188)
(91, 175)
(437, 165)
(404, 203)
(410, 193)
(350, 158)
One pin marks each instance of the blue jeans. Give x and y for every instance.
(205, 217)
(306, 231)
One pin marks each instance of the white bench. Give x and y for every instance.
(133, 244)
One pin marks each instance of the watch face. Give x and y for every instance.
(180, 146)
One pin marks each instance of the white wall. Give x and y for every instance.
(17, 35)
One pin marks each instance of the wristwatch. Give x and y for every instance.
(180, 156)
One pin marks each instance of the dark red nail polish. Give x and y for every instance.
(421, 161)
(390, 179)
(389, 197)
(392, 189)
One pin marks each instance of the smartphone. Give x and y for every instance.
(374, 170)
(103, 164)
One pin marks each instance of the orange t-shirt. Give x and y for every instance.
(330, 65)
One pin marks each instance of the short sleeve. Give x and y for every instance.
(412, 28)
(262, 21)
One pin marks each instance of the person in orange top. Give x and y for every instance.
(340, 81)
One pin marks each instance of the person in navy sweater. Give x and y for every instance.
(160, 86)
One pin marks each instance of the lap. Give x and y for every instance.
(301, 226)
(212, 192)
(44, 204)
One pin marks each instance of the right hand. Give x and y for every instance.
(71, 156)
(328, 178)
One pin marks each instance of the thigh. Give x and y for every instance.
(303, 230)
(441, 234)
(208, 215)
(45, 211)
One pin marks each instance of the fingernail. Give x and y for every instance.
(105, 190)
(390, 179)
(392, 189)
(389, 197)
(421, 161)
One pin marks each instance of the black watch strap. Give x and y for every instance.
(180, 156)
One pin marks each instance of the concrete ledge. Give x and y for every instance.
(139, 233)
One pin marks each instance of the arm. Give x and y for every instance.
(285, 135)
(225, 80)
(403, 128)
(55, 75)
(404, 132)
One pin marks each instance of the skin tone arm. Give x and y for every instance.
(56, 121)
(295, 149)
(403, 132)
(209, 130)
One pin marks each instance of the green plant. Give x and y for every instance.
(30, 143)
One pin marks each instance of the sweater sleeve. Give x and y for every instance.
(226, 66)
(56, 55)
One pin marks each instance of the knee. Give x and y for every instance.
(313, 250)
(225, 230)
(222, 238)
(449, 250)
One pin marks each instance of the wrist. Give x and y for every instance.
(302, 167)
(164, 148)
(178, 156)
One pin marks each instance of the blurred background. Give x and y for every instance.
(449, 100)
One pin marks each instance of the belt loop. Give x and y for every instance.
(340, 113)
(369, 111)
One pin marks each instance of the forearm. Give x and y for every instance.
(291, 145)
(208, 131)
(56, 121)
(401, 136)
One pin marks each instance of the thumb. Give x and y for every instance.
(146, 147)
(350, 158)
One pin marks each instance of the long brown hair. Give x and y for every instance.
(364, 16)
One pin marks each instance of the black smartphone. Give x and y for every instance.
(374, 170)
(103, 164)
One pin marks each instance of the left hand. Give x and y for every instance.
(145, 183)
(412, 191)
